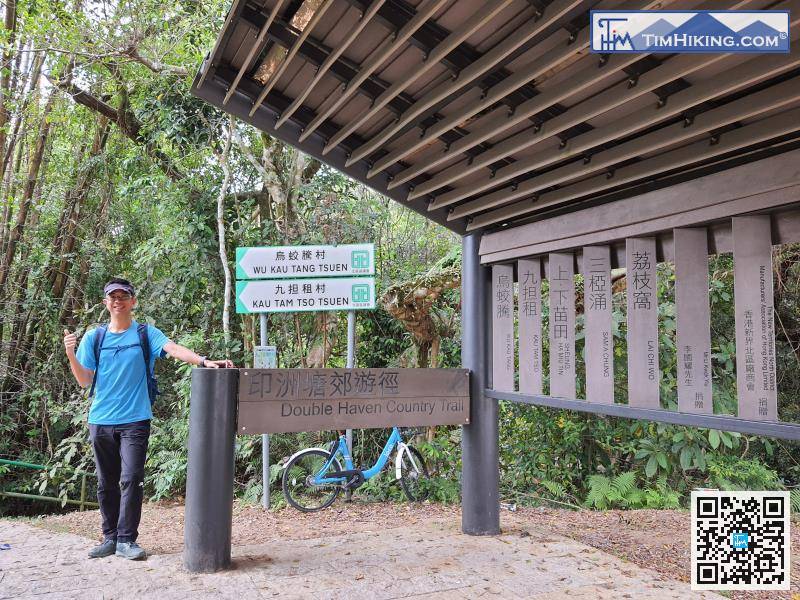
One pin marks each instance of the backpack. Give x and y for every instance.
(144, 342)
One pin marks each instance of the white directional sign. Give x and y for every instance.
(297, 295)
(281, 262)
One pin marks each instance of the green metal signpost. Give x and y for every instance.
(304, 279)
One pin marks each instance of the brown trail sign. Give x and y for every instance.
(290, 400)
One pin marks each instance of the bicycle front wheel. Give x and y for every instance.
(299, 488)
(414, 477)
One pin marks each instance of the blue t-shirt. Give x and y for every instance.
(120, 395)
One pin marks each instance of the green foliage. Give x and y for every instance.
(794, 500)
(735, 473)
(623, 491)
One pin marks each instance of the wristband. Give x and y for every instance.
(202, 362)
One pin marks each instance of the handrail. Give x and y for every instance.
(82, 503)
(19, 463)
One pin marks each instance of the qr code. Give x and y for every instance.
(740, 540)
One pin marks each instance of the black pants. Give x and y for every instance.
(119, 453)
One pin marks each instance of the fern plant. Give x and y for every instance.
(623, 491)
(662, 496)
(619, 492)
(556, 490)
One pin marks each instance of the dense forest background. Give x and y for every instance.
(109, 167)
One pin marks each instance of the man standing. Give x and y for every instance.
(111, 359)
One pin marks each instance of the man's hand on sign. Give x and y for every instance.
(219, 364)
(70, 341)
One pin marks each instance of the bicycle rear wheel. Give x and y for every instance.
(414, 477)
(298, 487)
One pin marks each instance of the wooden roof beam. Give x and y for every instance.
(332, 58)
(386, 49)
(316, 53)
(249, 89)
(767, 129)
(470, 26)
(275, 75)
(432, 115)
(615, 96)
(771, 98)
(262, 34)
(395, 13)
(213, 59)
(571, 45)
(501, 120)
(501, 51)
(759, 69)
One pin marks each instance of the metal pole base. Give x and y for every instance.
(209, 475)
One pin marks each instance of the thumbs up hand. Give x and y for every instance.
(70, 341)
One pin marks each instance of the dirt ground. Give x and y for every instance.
(653, 539)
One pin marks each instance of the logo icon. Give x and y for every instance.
(360, 293)
(740, 540)
(681, 31)
(610, 40)
(359, 259)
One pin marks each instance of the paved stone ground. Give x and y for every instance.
(433, 560)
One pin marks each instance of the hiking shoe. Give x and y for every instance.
(107, 548)
(130, 550)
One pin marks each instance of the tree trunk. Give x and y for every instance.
(27, 195)
(223, 252)
(325, 325)
(77, 201)
(77, 292)
(10, 24)
(30, 87)
(20, 287)
(9, 192)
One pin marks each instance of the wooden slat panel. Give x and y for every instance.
(694, 321)
(503, 328)
(643, 372)
(785, 228)
(529, 315)
(755, 325)
(562, 325)
(599, 337)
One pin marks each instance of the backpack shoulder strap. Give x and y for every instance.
(99, 336)
(144, 342)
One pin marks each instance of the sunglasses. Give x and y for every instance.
(119, 297)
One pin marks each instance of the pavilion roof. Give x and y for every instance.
(488, 114)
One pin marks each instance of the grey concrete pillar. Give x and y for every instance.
(209, 474)
(480, 475)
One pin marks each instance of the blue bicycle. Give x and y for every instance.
(314, 477)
